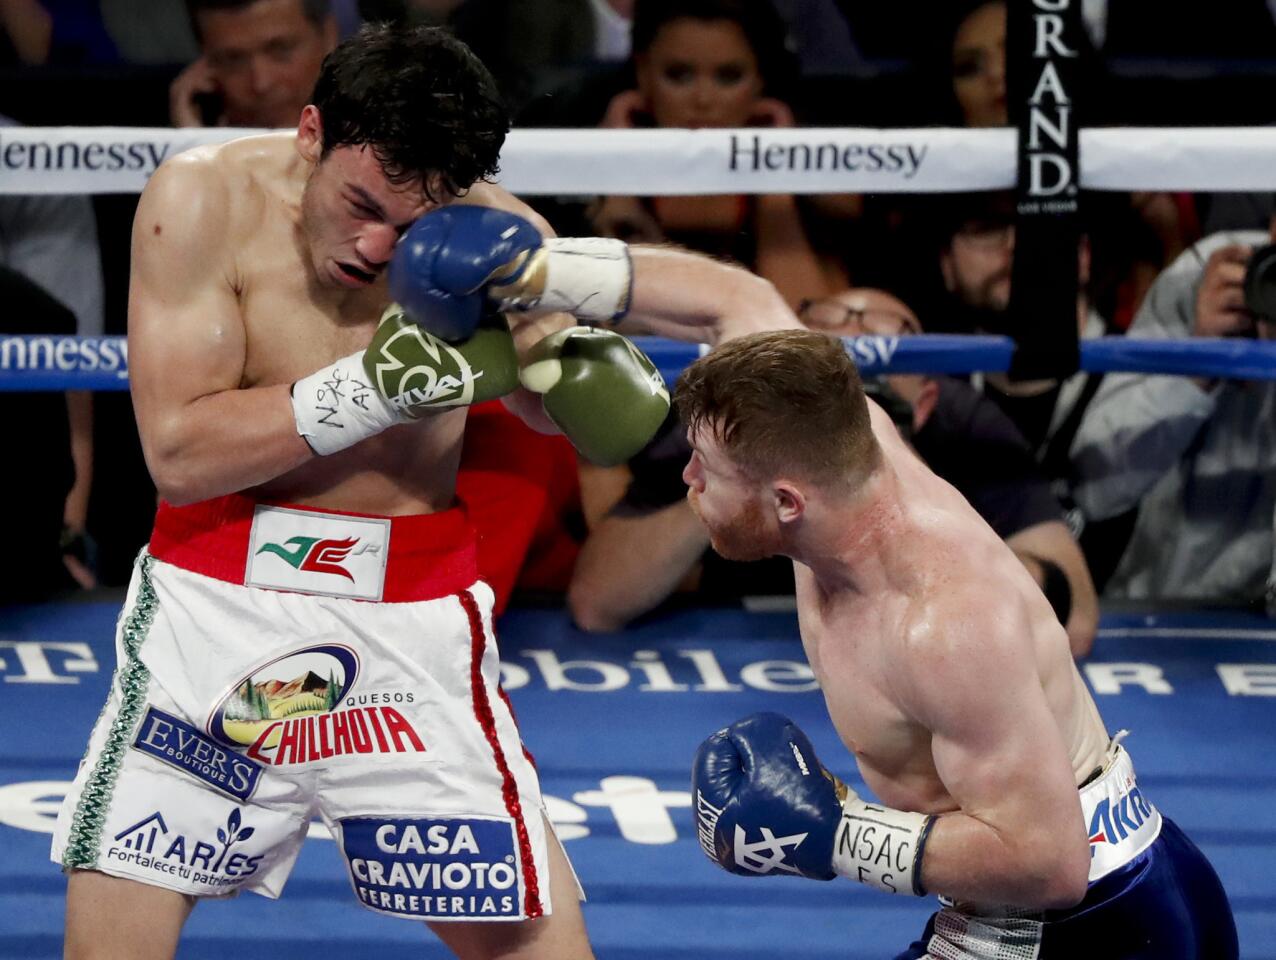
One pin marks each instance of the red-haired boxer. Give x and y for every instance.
(945, 673)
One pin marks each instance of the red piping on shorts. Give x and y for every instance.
(505, 698)
(532, 906)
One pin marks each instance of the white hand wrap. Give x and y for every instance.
(880, 846)
(588, 277)
(336, 407)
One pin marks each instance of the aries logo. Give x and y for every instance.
(434, 867)
(150, 844)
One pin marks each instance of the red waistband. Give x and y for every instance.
(430, 555)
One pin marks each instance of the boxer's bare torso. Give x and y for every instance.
(238, 285)
(931, 581)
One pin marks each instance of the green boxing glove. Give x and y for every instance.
(404, 374)
(418, 372)
(604, 393)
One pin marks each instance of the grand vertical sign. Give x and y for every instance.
(1043, 53)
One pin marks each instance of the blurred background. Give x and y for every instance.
(852, 263)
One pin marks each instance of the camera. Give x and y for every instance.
(1260, 283)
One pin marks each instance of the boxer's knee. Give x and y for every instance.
(111, 918)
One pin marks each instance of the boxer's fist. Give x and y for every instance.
(405, 373)
(604, 393)
(416, 371)
(442, 266)
(763, 803)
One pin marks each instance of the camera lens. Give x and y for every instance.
(1260, 283)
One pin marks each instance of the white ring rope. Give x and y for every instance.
(44, 160)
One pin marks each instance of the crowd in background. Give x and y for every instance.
(1121, 486)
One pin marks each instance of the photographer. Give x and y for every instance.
(1196, 456)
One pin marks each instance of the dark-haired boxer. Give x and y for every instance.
(306, 635)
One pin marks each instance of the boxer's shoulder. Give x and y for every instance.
(222, 184)
(211, 206)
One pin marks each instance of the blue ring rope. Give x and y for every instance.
(37, 363)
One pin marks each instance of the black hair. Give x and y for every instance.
(419, 99)
(316, 11)
(952, 212)
(937, 99)
(763, 28)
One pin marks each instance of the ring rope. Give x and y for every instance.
(803, 160)
(38, 363)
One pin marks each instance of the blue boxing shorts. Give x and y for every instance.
(1152, 895)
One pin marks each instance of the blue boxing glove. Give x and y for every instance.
(441, 268)
(457, 263)
(764, 805)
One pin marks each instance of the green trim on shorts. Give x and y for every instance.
(95, 799)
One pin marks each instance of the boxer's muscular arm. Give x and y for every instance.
(202, 434)
(687, 296)
(1018, 836)
(676, 293)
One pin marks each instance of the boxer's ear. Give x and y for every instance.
(310, 134)
(789, 501)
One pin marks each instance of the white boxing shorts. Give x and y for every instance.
(277, 664)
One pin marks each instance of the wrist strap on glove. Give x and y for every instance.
(335, 407)
(881, 847)
(588, 277)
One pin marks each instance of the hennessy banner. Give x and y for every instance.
(1043, 72)
(53, 160)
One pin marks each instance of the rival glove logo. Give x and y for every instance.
(415, 369)
(317, 555)
(766, 855)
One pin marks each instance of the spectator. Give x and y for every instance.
(52, 241)
(651, 545)
(975, 262)
(1143, 231)
(1197, 456)
(532, 49)
(26, 29)
(36, 425)
(979, 66)
(54, 32)
(259, 62)
(712, 63)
